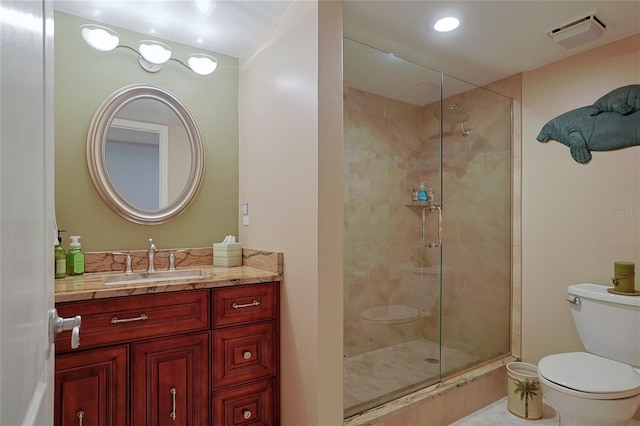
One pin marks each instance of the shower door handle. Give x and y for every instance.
(424, 227)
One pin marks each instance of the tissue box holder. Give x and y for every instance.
(227, 255)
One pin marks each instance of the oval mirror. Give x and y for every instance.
(145, 154)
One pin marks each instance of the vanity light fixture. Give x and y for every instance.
(151, 54)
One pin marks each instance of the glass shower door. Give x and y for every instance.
(392, 281)
(426, 281)
(476, 243)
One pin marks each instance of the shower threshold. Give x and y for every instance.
(373, 378)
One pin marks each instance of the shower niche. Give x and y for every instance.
(426, 283)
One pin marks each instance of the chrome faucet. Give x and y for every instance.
(151, 256)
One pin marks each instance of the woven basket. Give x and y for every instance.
(527, 408)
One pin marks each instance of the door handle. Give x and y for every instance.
(424, 227)
(58, 324)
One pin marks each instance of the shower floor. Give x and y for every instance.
(371, 378)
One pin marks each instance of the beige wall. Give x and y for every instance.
(291, 176)
(571, 232)
(83, 79)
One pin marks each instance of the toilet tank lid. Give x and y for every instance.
(599, 292)
(585, 372)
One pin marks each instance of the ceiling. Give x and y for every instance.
(498, 39)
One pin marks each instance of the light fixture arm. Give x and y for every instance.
(128, 47)
(146, 65)
(180, 62)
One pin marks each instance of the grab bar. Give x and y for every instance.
(424, 226)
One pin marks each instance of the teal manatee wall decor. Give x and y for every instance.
(612, 122)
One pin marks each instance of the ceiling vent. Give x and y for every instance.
(579, 32)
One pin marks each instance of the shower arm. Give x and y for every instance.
(424, 226)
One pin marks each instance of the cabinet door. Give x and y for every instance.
(170, 381)
(91, 388)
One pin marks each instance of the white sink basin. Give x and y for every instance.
(147, 277)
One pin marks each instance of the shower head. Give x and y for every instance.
(465, 133)
(452, 114)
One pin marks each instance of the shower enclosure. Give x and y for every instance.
(427, 283)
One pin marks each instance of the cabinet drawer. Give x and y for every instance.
(253, 404)
(243, 354)
(124, 319)
(241, 304)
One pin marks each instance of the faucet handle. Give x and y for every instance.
(128, 269)
(172, 258)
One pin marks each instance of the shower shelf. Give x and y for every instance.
(421, 204)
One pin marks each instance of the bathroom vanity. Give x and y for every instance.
(194, 351)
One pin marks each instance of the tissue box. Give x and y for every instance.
(227, 255)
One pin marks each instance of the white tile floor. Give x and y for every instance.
(497, 414)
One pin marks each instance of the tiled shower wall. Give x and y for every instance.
(390, 147)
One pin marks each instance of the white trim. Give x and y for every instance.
(163, 139)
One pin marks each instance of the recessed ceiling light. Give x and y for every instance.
(446, 24)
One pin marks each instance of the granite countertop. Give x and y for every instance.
(258, 267)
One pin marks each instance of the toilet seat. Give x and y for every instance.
(589, 376)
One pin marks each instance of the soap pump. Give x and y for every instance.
(422, 192)
(75, 257)
(60, 257)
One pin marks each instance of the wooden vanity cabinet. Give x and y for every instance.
(194, 357)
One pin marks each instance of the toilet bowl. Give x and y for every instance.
(587, 389)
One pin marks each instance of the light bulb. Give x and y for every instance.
(154, 52)
(202, 64)
(446, 24)
(99, 37)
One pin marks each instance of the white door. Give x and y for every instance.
(26, 212)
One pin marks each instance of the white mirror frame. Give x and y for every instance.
(96, 158)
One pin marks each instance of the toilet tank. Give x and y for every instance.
(608, 324)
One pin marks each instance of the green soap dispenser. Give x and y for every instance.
(60, 257)
(75, 257)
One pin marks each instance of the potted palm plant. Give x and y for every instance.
(524, 394)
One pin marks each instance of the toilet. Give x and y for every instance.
(602, 385)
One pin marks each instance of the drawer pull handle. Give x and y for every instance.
(246, 414)
(80, 417)
(173, 396)
(115, 320)
(246, 305)
(247, 355)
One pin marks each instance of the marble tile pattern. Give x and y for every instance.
(389, 147)
(259, 266)
(497, 414)
(108, 261)
(371, 375)
(442, 403)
